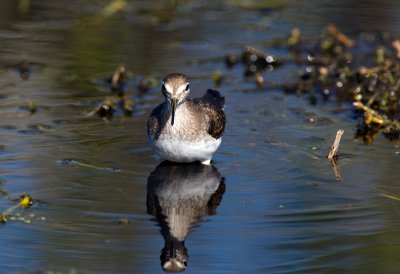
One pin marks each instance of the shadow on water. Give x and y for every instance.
(178, 195)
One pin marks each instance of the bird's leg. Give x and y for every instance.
(206, 162)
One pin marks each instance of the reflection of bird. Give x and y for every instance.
(186, 130)
(178, 195)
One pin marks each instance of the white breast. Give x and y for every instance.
(187, 151)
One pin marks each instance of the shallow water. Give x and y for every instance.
(271, 202)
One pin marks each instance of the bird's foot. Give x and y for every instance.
(206, 162)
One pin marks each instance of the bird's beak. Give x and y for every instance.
(173, 108)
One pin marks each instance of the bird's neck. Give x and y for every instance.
(178, 104)
(181, 115)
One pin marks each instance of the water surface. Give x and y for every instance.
(272, 203)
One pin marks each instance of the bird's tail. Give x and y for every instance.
(213, 97)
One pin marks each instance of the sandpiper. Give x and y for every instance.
(186, 130)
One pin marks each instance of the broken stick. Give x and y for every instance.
(335, 147)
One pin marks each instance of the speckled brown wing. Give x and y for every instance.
(156, 122)
(212, 105)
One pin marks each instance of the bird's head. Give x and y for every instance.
(175, 89)
(174, 265)
(174, 257)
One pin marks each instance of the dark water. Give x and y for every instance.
(270, 203)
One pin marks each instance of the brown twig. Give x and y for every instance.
(338, 35)
(335, 168)
(387, 194)
(396, 46)
(259, 79)
(335, 146)
(370, 115)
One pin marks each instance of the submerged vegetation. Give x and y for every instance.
(364, 71)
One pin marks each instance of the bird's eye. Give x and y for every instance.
(187, 87)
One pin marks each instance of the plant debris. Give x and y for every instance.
(24, 69)
(333, 152)
(82, 164)
(106, 108)
(31, 107)
(387, 194)
(118, 81)
(364, 70)
(118, 100)
(123, 221)
(217, 76)
(25, 201)
(145, 84)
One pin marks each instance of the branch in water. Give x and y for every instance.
(335, 147)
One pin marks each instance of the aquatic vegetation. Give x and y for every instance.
(25, 68)
(118, 81)
(106, 108)
(113, 7)
(24, 202)
(217, 76)
(118, 100)
(86, 165)
(30, 107)
(145, 83)
(257, 60)
(337, 68)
